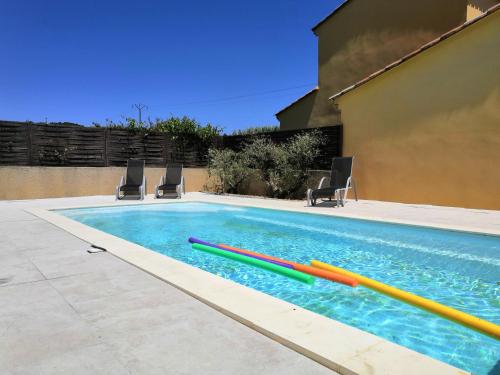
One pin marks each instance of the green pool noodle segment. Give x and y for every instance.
(299, 276)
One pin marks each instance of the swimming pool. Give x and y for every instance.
(460, 270)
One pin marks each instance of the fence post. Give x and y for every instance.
(165, 148)
(29, 143)
(340, 138)
(106, 163)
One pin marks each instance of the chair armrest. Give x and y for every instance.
(120, 184)
(157, 190)
(180, 188)
(323, 182)
(143, 187)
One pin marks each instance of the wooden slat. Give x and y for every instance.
(14, 147)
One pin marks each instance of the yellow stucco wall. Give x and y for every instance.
(428, 131)
(299, 113)
(363, 37)
(55, 182)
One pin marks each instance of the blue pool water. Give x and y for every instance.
(460, 270)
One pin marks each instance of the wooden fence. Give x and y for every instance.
(73, 145)
(69, 145)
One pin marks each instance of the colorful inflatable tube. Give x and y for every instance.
(299, 276)
(282, 264)
(332, 276)
(469, 321)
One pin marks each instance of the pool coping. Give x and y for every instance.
(268, 203)
(340, 347)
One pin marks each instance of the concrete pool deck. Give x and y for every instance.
(67, 311)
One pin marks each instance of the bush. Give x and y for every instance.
(229, 167)
(257, 130)
(185, 127)
(282, 167)
(127, 123)
(184, 131)
(178, 127)
(285, 173)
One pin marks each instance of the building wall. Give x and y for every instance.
(363, 37)
(298, 115)
(428, 131)
(55, 182)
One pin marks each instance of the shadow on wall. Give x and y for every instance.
(298, 114)
(365, 54)
(482, 5)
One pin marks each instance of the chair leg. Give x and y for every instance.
(354, 189)
(312, 199)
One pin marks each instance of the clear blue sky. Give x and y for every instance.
(85, 61)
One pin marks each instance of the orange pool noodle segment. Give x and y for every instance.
(332, 276)
(328, 275)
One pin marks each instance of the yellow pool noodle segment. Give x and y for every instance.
(470, 321)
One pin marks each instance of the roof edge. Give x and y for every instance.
(297, 100)
(426, 46)
(327, 17)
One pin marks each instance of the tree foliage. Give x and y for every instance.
(177, 127)
(282, 167)
(229, 167)
(186, 127)
(257, 130)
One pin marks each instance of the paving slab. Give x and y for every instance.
(65, 311)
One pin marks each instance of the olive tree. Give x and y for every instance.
(284, 167)
(230, 168)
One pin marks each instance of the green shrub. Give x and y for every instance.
(184, 131)
(282, 167)
(293, 161)
(178, 127)
(230, 169)
(257, 130)
(127, 123)
(185, 127)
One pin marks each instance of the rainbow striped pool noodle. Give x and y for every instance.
(198, 241)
